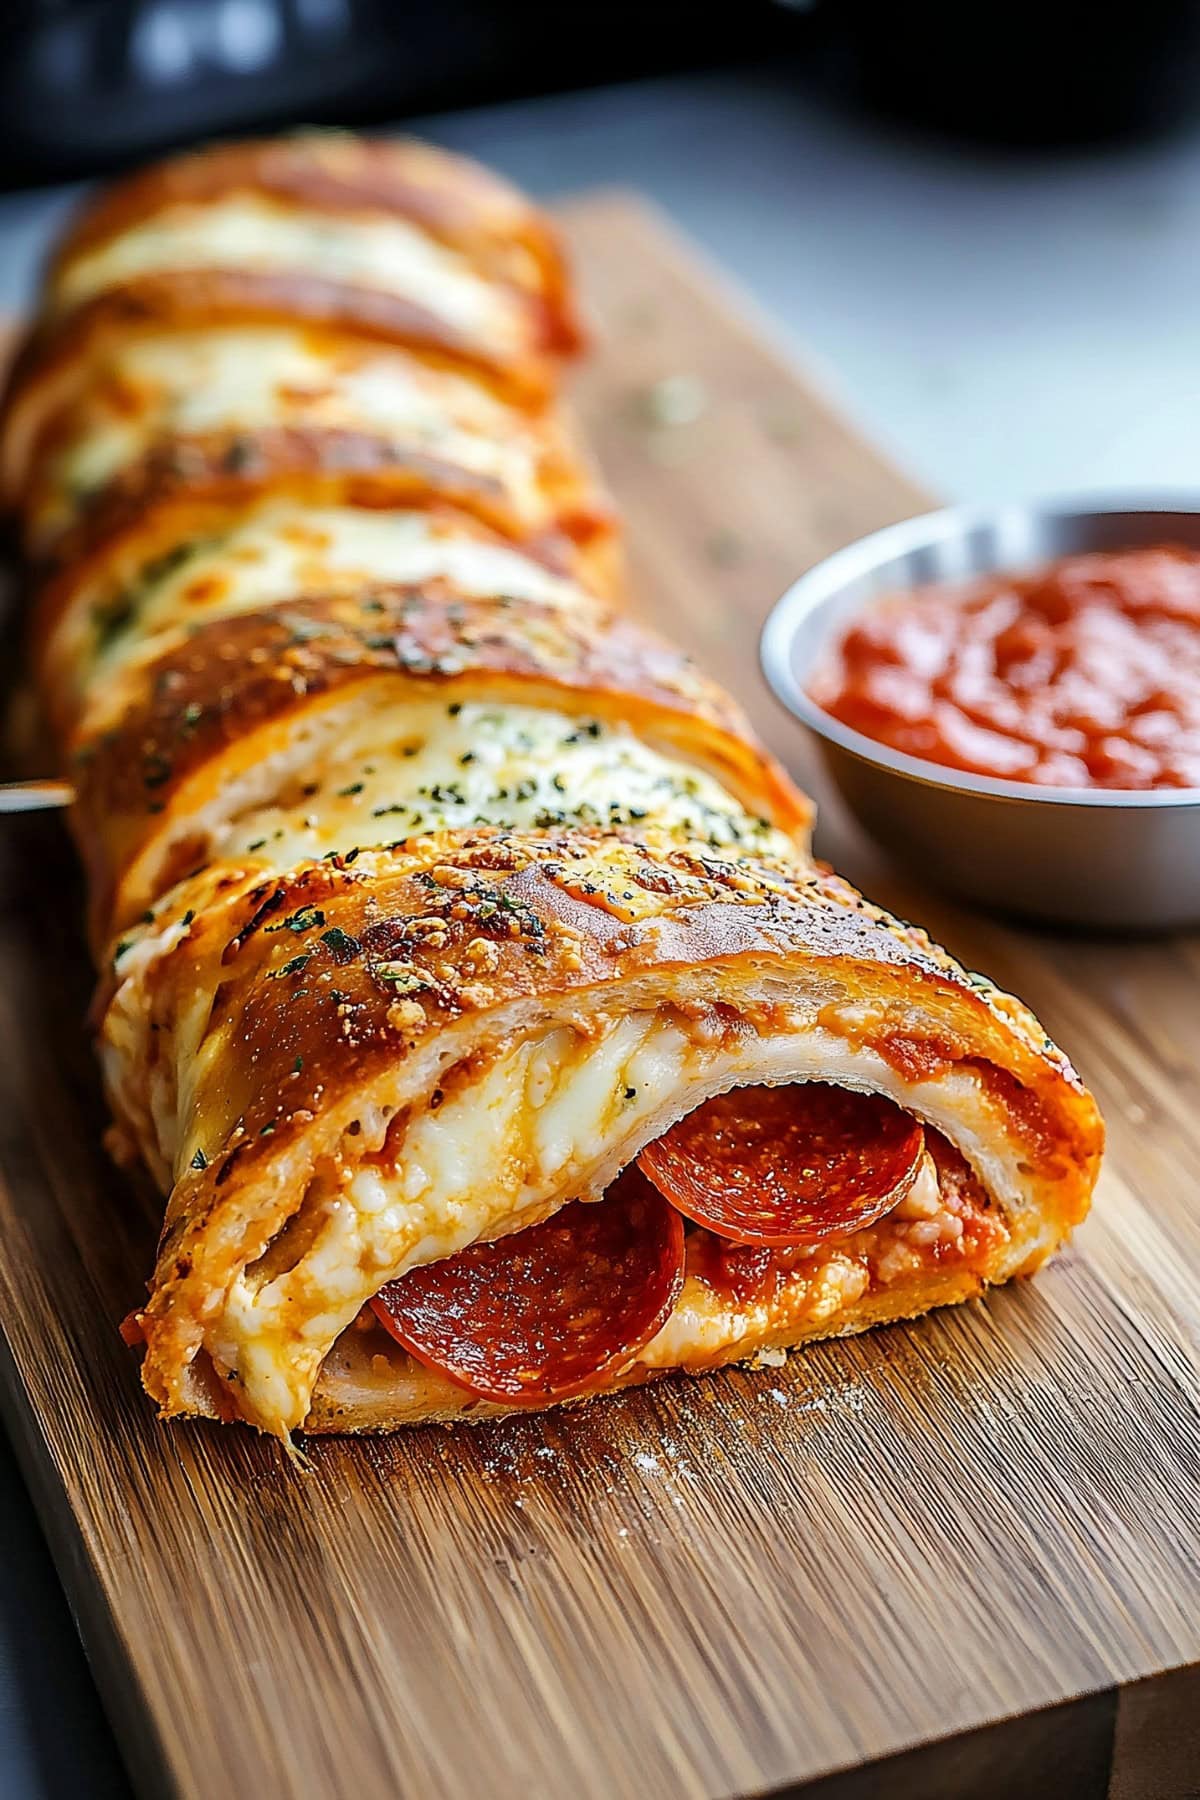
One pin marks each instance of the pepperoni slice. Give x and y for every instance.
(787, 1165)
(540, 1315)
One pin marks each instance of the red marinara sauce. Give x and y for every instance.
(1085, 673)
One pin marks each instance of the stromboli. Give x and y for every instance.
(432, 890)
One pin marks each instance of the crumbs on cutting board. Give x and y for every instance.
(514, 1451)
(843, 1399)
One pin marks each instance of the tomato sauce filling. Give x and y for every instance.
(961, 1227)
(1085, 673)
(751, 1193)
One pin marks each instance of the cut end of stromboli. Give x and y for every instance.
(466, 982)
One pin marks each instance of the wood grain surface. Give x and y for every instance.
(705, 1588)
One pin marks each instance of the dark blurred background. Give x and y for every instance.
(88, 84)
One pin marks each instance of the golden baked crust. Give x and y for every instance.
(223, 416)
(428, 889)
(478, 218)
(457, 201)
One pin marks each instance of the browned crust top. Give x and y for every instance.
(333, 464)
(234, 675)
(173, 297)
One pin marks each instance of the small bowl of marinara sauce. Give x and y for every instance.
(1009, 700)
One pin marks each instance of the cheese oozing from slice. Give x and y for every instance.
(276, 552)
(550, 1118)
(450, 766)
(254, 377)
(247, 233)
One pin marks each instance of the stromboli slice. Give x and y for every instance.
(223, 561)
(431, 1047)
(257, 705)
(225, 413)
(369, 212)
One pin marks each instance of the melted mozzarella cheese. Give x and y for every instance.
(823, 1282)
(551, 1118)
(252, 377)
(282, 550)
(534, 1120)
(523, 767)
(242, 232)
(368, 1376)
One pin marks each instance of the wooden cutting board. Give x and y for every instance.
(706, 1588)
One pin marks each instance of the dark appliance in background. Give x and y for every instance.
(88, 84)
(1021, 72)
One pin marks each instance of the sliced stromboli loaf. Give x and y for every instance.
(466, 980)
